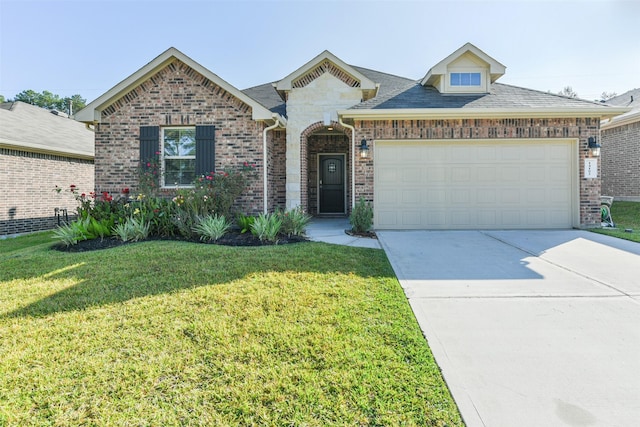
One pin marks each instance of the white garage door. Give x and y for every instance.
(475, 184)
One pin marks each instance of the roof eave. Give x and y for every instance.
(34, 148)
(477, 113)
(620, 121)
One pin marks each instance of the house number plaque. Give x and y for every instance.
(590, 168)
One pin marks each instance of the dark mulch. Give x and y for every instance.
(233, 238)
(369, 234)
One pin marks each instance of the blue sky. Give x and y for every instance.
(87, 46)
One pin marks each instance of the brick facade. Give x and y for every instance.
(621, 162)
(579, 128)
(28, 182)
(276, 170)
(178, 96)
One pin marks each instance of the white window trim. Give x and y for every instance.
(163, 158)
(482, 88)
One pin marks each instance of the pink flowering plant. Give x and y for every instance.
(149, 174)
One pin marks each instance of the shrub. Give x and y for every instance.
(68, 234)
(361, 217)
(266, 227)
(132, 230)
(244, 222)
(82, 229)
(215, 193)
(212, 227)
(294, 222)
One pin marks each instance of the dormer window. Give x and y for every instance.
(467, 70)
(465, 79)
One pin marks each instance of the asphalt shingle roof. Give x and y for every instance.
(267, 95)
(30, 128)
(500, 96)
(627, 99)
(402, 93)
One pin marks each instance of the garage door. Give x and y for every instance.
(475, 185)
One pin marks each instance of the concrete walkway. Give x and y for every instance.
(332, 230)
(530, 328)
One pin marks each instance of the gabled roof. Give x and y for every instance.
(417, 101)
(496, 69)
(29, 128)
(368, 87)
(386, 83)
(91, 113)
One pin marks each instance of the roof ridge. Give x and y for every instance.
(383, 72)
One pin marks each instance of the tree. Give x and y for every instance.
(51, 101)
(607, 96)
(568, 92)
(1, 99)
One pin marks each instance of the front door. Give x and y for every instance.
(331, 184)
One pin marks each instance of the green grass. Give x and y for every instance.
(626, 215)
(33, 240)
(176, 333)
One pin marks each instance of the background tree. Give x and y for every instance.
(569, 92)
(51, 101)
(1, 99)
(607, 96)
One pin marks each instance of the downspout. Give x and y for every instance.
(353, 161)
(264, 163)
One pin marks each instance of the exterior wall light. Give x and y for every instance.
(364, 149)
(594, 147)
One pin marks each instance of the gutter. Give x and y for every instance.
(478, 113)
(620, 120)
(353, 160)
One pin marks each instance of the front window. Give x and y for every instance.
(465, 79)
(179, 156)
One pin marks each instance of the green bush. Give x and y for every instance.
(266, 227)
(132, 230)
(294, 222)
(212, 227)
(361, 217)
(244, 222)
(82, 229)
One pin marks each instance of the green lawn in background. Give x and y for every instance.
(176, 333)
(626, 215)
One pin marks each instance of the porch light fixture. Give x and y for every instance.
(594, 147)
(364, 149)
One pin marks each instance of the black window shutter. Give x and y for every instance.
(149, 144)
(205, 150)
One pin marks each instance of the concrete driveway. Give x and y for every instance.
(530, 328)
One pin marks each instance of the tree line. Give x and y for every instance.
(50, 101)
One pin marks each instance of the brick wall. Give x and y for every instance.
(178, 96)
(277, 172)
(621, 162)
(28, 197)
(580, 128)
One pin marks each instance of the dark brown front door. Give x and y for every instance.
(332, 183)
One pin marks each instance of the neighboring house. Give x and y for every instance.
(39, 150)
(453, 150)
(621, 149)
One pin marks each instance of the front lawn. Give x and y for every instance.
(174, 333)
(626, 215)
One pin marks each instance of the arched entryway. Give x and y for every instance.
(326, 151)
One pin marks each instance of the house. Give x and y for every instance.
(453, 150)
(39, 151)
(621, 149)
